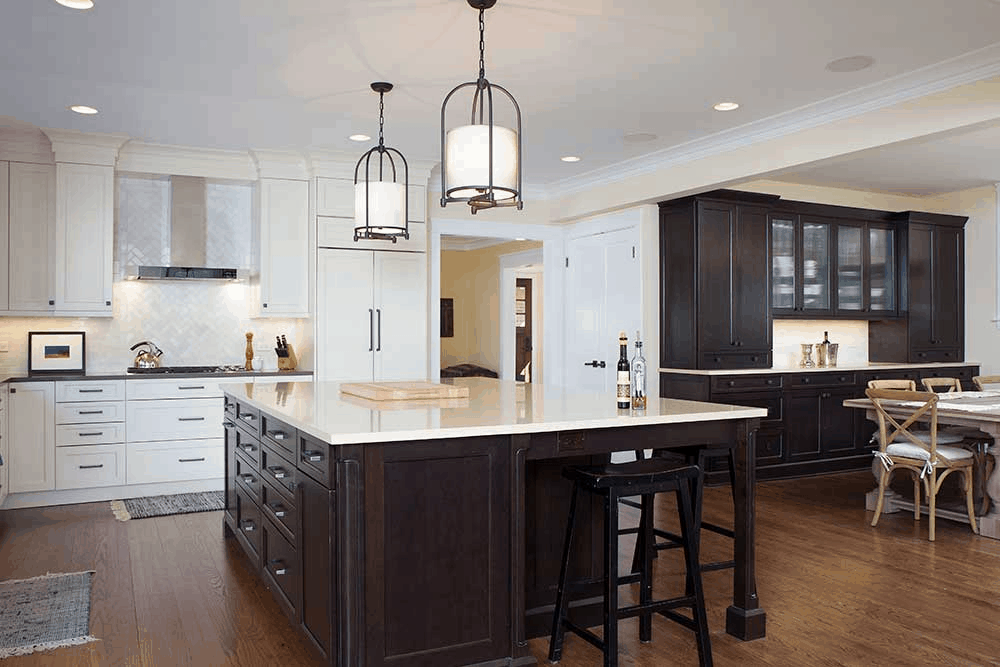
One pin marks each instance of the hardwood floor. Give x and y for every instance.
(172, 591)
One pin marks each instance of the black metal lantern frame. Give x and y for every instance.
(482, 110)
(385, 162)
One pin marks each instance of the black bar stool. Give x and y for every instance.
(612, 482)
(695, 455)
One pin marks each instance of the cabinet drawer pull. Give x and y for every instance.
(90, 412)
(247, 526)
(311, 456)
(248, 479)
(249, 449)
(193, 386)
(89, 391)
(228, 424)
(248, 416)
(190, 419)
(90, 434)
(191, 460)
(98, 465)
(278, 567)
(277, 435)
(277, 471)
(278, 510)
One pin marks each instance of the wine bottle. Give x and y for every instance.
(638, 377)
(624, 379)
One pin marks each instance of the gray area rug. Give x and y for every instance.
(43, 613)
(181, 503)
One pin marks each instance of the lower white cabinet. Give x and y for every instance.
(171, 461)
(4, 448)
(173, 419)
(371, 315)
(86, 466)
(32, 434)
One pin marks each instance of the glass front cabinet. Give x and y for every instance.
(801, 266)
(866, 270)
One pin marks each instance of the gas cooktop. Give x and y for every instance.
(231, 368)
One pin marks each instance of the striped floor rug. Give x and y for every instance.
(181, 503)
(44, 613)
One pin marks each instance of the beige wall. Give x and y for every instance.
(472, 279)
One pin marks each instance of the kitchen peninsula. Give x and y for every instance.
(428, 533)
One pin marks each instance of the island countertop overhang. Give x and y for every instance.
(494, 407)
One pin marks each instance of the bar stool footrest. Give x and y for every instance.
(718, 565)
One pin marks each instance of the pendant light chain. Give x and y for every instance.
(482, 47)
(381, 119)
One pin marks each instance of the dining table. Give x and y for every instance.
(977, 409)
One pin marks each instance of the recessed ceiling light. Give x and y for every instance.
(850, 64)
(359, 137)
(76, 4)
(726, 106)
(569, 158)
(81, 108)
(520, 238)
(638, 137)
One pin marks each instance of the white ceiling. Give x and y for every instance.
(241, 74)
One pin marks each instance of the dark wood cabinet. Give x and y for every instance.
(318, 538)
(866, 270)
(715, 289)
(933, 270)
(802, 265)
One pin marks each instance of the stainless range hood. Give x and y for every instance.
(186, 239)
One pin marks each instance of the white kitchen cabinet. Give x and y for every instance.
(31, 253)
(371, 315)
(31, 428)
(89, 466)
(84, 238)
(335, 218)
(4, 448)
(4, 232)
(284, 246)
(90, 433)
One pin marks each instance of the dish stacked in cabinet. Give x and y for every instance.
(90, 434)
(282, 517)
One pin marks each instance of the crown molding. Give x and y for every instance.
(143, 158)
(975, 66)
(85, 147)
(292, 165)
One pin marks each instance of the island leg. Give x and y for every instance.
(744, 618)
(989, 524)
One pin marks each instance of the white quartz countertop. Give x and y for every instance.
(871, 366)
(494, 407)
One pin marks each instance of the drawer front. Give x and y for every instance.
(247, 446)
(793, 380)
(90, 413)
(725, 360)
(935, 356)
(248, 419)
(247, 478)
(276, 507)
(964, 373)
(279, 435)
(279, 471)
(339, 233)
(175, 461)
(174, 419)
(726, 383)
(85, 466)
(280, 566)
(895, 374)
(89, 434)
(248, 521)
(773, 402)
(84, 390)
(770, 446)
(176, 388)
(314, 460)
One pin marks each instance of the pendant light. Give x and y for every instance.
(481, 161)
(381, 205)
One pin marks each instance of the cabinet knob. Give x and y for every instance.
(805, 380)
(52, 302)
(732, 383)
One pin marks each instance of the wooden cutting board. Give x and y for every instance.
(397, 391)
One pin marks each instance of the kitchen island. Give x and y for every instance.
(429, 532)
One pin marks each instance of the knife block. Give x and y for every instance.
(288, 363)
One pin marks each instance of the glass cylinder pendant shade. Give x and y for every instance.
(383, 214)
(467, 161)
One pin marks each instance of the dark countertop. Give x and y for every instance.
(221, 375)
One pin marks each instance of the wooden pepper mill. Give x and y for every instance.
(249, 364)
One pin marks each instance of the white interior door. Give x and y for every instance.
(603, 297)
(400, 316)
(345, 313)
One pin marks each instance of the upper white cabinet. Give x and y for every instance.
(84, 238)
(31, 251)
(335, 218)
(284, 248)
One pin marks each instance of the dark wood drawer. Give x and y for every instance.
(770, 446)
(248, 525)
(725, 360)
(936, 356)
(247, 446)
(247, 477)
(826, 379)
(281, 569)
(284, 514)
(248, 419)
(964, 373)
(315, 460)
(772, 401)
(281, 474)
(279, 435)
(724, 383)
(898, 374)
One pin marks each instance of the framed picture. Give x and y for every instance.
(56, 352)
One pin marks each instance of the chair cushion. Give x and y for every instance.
(943, 437)
(911, 451)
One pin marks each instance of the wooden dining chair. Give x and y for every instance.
(908, 385)
(927, 461)
(984, 382)
(942, 385)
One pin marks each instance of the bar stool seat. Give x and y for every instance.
(645, 478)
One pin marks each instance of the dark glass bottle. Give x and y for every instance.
(624, 376)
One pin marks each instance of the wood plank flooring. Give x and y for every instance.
(172, 591)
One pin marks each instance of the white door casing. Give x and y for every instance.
(509, 272)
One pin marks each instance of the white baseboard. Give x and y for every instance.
(74, 496)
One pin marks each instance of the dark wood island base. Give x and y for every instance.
(445, 550)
